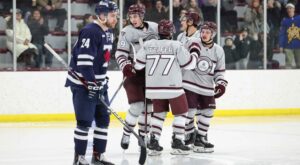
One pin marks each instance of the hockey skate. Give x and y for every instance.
(125, 141)
(154, 147)
(99, 159)
(201, 145)
(190, 138)
(80, 160)
(178, 148)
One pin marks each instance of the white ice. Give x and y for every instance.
(238, 141)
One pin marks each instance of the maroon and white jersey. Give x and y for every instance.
(183, 38)
(210, 69)
(164, 60)
(129, 37)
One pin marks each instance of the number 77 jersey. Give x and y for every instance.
(163, 60)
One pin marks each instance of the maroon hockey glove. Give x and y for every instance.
(220, 89)
(128, 70)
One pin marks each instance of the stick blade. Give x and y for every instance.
(143, 155)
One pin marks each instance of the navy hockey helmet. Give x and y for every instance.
(106, 6)
(137, 9)
(166, 28)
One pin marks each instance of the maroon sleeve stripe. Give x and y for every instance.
(223, 80)
(191, 59)
(139, 61)
(223, 70)
(195, 44)
(122, 50)
(121, 57)
(120, 60)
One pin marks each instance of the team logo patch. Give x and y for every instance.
(205, 66)
(122, 43)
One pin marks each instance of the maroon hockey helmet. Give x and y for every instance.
(166, 27)
(211, 26)
(137, 9)
(192, 16)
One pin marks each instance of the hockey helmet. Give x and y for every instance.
(137, 9)
(211, 26)
(106, 6)
(192, 16)
(166, 27)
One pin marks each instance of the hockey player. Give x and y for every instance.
(164, 59)
(204, 84)
(134, 84)
(189, 25)
(90, 57)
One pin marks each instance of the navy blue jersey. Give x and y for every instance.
(90, 55)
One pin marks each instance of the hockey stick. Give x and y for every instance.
(117, 91)
(143, 154)
(141, 42)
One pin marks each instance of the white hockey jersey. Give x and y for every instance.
(182, 37)
(164, 60)
(129, 37)
(210, 69)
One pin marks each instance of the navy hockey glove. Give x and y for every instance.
(220, 88)
(94, 88)
(128, 69)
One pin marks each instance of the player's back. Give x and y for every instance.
(164, 59)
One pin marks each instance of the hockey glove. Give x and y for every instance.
(128, 69)
(220, 88)
(94, 89)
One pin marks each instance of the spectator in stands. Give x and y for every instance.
(158, 13)
(177, 8)
(192, 5)
(273, 15)
(242, 42)
(25, 50)
(27, 6)
(87, 18)
(228, 16)
(289, 36)
(54, 8)
(254, 17)
(5, 6)
(39, 29)
(230, 53)
(209, 10)
(256, 53)
(297, 6)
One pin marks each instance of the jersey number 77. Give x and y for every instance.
(156, 61)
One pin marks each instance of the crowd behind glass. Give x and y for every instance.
(241, 26)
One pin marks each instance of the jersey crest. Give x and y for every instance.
(205, 66)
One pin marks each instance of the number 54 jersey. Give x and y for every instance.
(164, 60)
(210, 69)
